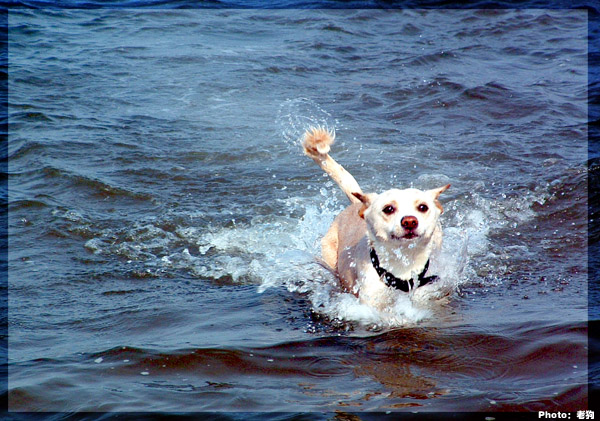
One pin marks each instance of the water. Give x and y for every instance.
(164, 224)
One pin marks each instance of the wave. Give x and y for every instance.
(516, 367)
(53, 175)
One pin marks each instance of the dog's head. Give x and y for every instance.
(402, 216)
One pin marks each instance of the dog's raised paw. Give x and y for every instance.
(317, 141)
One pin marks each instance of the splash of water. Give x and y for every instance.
(298, 114)
(281, 251)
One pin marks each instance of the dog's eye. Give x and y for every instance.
(423, 208)
(389, 209)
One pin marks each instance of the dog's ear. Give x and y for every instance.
(366, 200)
(436, 194)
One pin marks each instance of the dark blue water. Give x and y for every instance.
(164, 224)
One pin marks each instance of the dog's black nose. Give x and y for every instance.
(409, 222)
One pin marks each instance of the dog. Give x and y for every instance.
(381, 242)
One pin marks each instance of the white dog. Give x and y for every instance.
(381, 241)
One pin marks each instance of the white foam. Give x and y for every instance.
(276, 251)
(281, 251)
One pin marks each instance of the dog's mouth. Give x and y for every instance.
(407, 236)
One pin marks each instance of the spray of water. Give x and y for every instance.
(282, 251)
(298, 114)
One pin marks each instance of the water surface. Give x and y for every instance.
(164, 224)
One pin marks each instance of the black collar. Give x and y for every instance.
(401, 284)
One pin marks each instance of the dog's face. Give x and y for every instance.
(402, 216)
